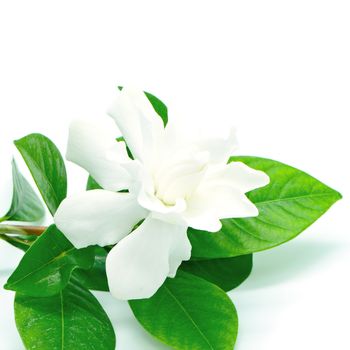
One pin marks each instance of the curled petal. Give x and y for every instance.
(94, 147)
(237, 175)
(219, 149)
(222, 195)
(140, 125)
(98, 217)
(139, 264)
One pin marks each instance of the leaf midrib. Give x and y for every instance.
(42, 266)
(298, 197)
(53, 192)
(62, 320)
(189, 317)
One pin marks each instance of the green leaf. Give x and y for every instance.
(158, 105)
(26, 205)
(95, 278)
(92, 184)
(47, 266)
(70, 320)
(46, 166)
(22, 242)
(227, 273)
(287, 206)
(189, 313)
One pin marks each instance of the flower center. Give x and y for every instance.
(179, 179)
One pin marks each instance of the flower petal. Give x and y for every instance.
(237, 175)
(139, 264)
(94, 147)
(205, 209)
(140, 125)
(222, 195)
(219, 146)
(98, 217)
(219, 149)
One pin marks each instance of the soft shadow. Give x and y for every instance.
(289, 261)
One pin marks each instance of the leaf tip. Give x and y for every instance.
(7, 286)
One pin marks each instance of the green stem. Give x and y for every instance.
(22, 229)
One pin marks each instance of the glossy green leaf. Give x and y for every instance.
(189, 313)
(25, 205)
(70, 320)
(46, 267)
(95, 278)
(46, 166)
(287, 206)
(158, 105)
(227, 273)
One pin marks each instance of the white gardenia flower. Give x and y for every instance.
(175, 181)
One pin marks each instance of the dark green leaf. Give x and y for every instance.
(26, 205)
(189, 313)
(70, 320)
(287, 206)
(46, 166)
(227, 273)
(95, 278)
(47, 266)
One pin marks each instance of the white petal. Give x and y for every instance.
(94, 147)
(98, 217)
(205, 209)
(220, 149)
(139, 264)
(222, 195)
(180, 251)
(180, 177)
(152, 203)
(237, 175)
(140, 125)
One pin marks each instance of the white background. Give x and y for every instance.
(277, 70)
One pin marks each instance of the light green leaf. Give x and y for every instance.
(189, 313)
(287, 206)
(46, 166)
(227, 273)
(26, 205)
(47, 266)
(70, 320)
(95, 278)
